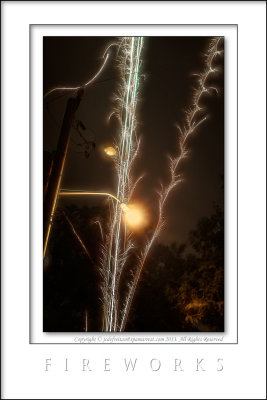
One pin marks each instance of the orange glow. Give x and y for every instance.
(110, 151)
(133, 215)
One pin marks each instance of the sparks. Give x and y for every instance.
(191, 124)
(117, 245)
(77, 236)
(86, 321)
(117, 241)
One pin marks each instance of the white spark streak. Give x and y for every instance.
(98, 222)
(118, 246)
(86, 321)
(77, 235)
(174, 162)
(87, 83)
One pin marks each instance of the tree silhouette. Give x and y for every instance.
(199, 297)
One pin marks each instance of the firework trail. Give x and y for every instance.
(118, 243)
(192, 122)
(106, 56)
(86, 321)
(99, 224)
(77, 236)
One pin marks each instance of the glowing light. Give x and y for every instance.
(110, 151)
(132, 214)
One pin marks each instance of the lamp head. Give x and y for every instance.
(110, 151)
(133, 215)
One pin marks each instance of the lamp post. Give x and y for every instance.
(132, 213)
(52, 189)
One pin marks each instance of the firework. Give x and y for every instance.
(84, 85)
(77, 236)
(192, 122)
(117, 239)
(118, 242)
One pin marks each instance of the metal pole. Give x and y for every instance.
(58, 166)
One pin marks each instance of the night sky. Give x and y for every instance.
(71, 285)
(165, 92)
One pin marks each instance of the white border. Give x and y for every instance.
(36, 112)
(23, 364)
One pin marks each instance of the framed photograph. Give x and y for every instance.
(123, 173)
(113, 185)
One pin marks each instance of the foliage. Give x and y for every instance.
(199, 297)
(181, 288)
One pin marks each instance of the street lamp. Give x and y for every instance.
(132, 213)
(110, 151)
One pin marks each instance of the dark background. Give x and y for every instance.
(71, 279)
